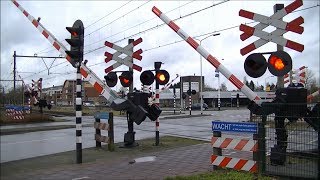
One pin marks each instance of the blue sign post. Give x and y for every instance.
(235, 127)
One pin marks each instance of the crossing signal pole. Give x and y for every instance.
(76, 54)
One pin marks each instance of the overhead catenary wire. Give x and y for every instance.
(50, 47)
(167, 44)
(139, 24)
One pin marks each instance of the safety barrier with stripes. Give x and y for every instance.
(16, 112)
(98, 125)
(218, 143)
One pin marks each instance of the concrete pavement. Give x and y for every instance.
(179, 161)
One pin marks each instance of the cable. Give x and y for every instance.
(228, 28)
(117, 18)
(157, 26)
(139, 24)
(108, 14)
(41, 52)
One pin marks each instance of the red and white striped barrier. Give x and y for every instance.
(87, 73)
(234, 163)
(214, 61)
(237, 144)
(248, 145)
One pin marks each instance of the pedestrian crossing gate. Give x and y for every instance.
(275, 36)
(104, 121)
(250, 145)
(125, 50)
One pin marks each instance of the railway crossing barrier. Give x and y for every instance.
(251, 145)
(98, 125)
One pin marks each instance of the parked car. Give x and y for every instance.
(197, 106)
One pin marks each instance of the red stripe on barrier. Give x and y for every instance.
(25, 13)
(286, 75)
(236, 81)
(136, 67)
(156, 11)
(157, 123)
(45, 34)
(213, 140)
(107, 70)
(35, 23)
(16, 3)
(246, 14)
(174, 26)
(225, 161)
(109, 44)
(157, 96)
(56, 45)
(213, 61)
(225, 143)
(192, 42)
(136, 42)
(293, 6)
(213, 158)
(257, 98)
(303, 74)
(254, 168)
(84, 73)
(107, 60)
(295, 46)
(254, 148)
(98, 87)
(240, 164)
(68, 58)
(247, 49)
(241, 144)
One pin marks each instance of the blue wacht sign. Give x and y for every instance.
(102, 115)
(235, 127)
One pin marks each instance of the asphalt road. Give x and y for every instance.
(33, 144)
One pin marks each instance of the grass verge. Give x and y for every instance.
(224, 174)
(92, 155)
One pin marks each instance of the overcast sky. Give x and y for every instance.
(105, 20)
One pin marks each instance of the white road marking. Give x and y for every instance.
(85, 177)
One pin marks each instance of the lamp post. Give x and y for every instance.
(201, 98)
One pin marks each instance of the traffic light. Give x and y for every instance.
(111, 79)
(126, 78)
(76, 43)
(279, 63)
(162, 77)
(255, 65)
(147, 77)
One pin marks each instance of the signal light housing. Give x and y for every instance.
(279, 63)
(111, 79)
(162, 77)
(147, 77)
(126, 79)
(255, 65)
(76, 43)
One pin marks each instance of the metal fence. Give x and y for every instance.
(291, 141)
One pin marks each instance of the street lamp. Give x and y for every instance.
(201, 98)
